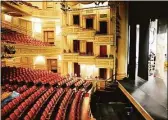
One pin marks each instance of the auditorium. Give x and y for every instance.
(84, 60)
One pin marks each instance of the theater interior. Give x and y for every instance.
(84, 60)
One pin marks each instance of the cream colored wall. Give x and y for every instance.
(22, 61)
(96, 50)
(65, 68)
(51, 5)
(87, 71)
(38, 4)
(70, 67)
(82, 46)
(122, 42)
(40, 62)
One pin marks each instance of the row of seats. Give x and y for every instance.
(61, 114)
(51, 105)
(19, 38)
(29, 75)
(87, 85)
(25, 104)
(36, 100)
(60, 83)
(75, 107)
(12, 104)
(79, 83)
(36, 107)
(9, 88)
(68, 84)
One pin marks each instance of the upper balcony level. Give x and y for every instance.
(102, 62)
(88, 34)
(25, 8)
(24, 50)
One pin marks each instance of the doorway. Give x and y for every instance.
(89, 48)
(77, 69)
(103, 51)
(52, 65)
(103, 73)
(49, 37)
(76, 20)
(89, 23)
(76, 46)
(103, 27)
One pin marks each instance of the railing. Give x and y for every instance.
(16, 28)
(79, 31)
(34, 50)
(46, 13)
(106, 62)
(104, 39)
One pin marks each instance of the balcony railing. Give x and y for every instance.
(34, 50)
(16, 28)
(105, 62)
(79, 31)
(104, 39)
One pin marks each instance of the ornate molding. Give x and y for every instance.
(27, 50)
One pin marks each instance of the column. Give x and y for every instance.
(122, 42)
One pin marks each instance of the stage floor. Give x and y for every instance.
(151, 94)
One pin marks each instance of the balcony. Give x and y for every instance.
(82, 33)
(23, 50)
(66, 30)
(104, 62)
(104, 40)
(16, 28)
(46, 13)
(86, 34)
(73, 57)
(84, 58)
(25, 8)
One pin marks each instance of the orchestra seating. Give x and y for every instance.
(38, 101)
(14, 37)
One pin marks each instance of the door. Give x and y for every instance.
(103, 51)
(103, 27)
(76, 20)
(89, 23)
(76, 46)
(89, 48)
(52, 65)
(103, 73)
(77, 69)
(49, 37)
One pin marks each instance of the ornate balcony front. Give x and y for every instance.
(67, 30)
(86, 59)
(104, 40)
(104, 62)
(73, 57)
(17, 28)
(46, 13)
(81, 33)
(24, 50)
